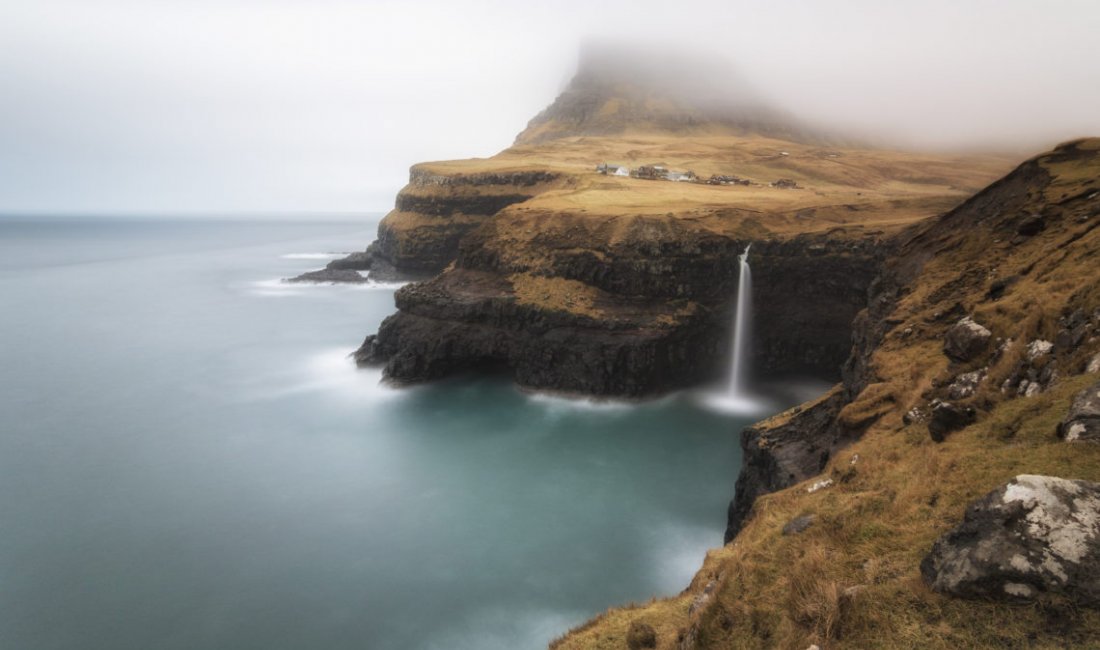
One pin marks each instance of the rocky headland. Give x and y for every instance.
(542, 264)
(961, 325)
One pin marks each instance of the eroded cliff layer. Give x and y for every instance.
(435, 210)
(625, 306)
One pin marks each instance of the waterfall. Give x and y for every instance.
(742, 318)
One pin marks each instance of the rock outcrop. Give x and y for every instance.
(947, 417)
(330, 276)
(1033, 535)
(785, 450)
(1082, 423)
(966, 340)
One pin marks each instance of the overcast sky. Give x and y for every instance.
(322, 105)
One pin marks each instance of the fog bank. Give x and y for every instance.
(287, 105)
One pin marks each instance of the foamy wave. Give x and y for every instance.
(558, 402)
(280, 287)
(735, 404)
(313, 256)
(333, 371)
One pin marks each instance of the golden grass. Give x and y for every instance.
(840, 187)
(851, 580)
(556, 294)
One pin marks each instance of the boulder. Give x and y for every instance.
(1082, 423)
(1032, 535)
(947, 417)
(1038, 348)
(966, 340)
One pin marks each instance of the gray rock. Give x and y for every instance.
(948, 417)
(965, 384)
(1082, 423)
(1038, 348)
(1093, 364)
(360, 261)
(703, 598)
(966, 340)
(330, 276)
(1034, 534)
(798, 524)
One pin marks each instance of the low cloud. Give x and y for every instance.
(322, 106)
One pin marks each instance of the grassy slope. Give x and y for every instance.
(846, 192)
(845, 184)
(852, 579)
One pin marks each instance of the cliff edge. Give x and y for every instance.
(979, 348)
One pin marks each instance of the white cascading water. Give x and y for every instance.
(741, 319)
(738, 398)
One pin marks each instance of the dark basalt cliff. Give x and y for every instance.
(641, 316)
(420, 237)
(467, 320)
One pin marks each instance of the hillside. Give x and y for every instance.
(632, 244)
(619, 90)
(834, 557)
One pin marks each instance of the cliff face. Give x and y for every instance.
(630, 307)
(982, 329)
(434, 211)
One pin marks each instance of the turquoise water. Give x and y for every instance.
(189, 460)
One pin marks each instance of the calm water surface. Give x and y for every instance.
(188, 460)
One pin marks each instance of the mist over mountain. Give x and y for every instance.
(621, 87)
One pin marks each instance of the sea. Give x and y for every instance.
(189, 459)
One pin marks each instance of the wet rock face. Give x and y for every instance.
(463, 321)
(1082, 423)
(1033, 535)
(966, 340)
(806, 295)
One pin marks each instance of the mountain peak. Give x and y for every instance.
(619, 88)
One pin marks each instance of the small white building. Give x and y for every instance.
(612, 170)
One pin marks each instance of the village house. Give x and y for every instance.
(612, 170)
